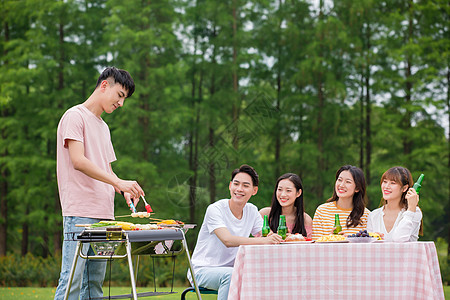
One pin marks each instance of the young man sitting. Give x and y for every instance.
(228, 224)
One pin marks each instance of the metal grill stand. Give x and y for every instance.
(141, 242)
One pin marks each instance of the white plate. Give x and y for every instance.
(366, 239)
(298, 242)
(326, 242)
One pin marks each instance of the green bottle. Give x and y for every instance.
(265, 228)
(337, 224)
(282, 229)
(418, 183)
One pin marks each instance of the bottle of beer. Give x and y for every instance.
(265, 228)
(337, 224)
(418, 183)
(282, 229)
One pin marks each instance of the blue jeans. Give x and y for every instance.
(218, 278)
(89, 274)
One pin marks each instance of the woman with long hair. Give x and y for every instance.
(399, 218)
(287, 200)
(348, 201)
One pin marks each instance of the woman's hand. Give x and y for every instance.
(413, 199)
(340, 232)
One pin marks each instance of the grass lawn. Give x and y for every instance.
(26, 293)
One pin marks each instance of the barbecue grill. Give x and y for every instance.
(111, 243)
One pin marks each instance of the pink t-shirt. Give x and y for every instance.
(81, 195)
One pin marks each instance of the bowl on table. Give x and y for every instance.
(361, 239)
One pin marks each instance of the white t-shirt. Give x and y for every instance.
(81, 195)
(209, 250)
(405, 229)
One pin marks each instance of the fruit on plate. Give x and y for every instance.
(361, 233)
(375, 235)
(295, 238)
(364, 233)
(331, 238)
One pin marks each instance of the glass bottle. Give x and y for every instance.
(282, 229)
(337, 224)
(265, 228)
(418, 183)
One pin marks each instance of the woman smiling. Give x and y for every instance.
(348, 201)
(399, 218)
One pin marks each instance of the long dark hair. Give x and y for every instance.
(359, 198)
(275, 209)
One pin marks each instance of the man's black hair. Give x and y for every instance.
(120, 76)
(248, 170)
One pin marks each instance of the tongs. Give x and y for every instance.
(147, 206)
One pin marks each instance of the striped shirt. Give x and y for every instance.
(323, 221)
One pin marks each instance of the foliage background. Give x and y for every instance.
(285, 86)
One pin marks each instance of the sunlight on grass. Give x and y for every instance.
(24, 293)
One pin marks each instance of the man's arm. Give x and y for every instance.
(84, 165)
(230, 240)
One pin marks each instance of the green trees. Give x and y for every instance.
(286, 86)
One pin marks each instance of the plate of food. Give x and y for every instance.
(297, 242)
(361, 239)
(332, 238)
(296, 239)
(363, 236)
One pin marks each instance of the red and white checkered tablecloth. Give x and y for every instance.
(337, 271)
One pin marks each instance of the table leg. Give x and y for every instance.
(199, 297)
(130, 265)
(72, 270)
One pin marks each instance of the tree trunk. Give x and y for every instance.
(57, 242)
(212, 91)
(235, 109)
(368, 111)
(277, 129)
(321, 106)
(4, 206)
(448, 162)
(361, 123)
(5, 173)
(192, 134)
(212, 170)
(278, 125)
(407, 143)
(24, 246)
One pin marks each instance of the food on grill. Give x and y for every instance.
(167, 222)
(295, 238)
(170, 222)
(331, 238)
(141, 214)
(126, 225)
(146, 227)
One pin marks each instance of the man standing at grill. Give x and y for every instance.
(86, 181)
